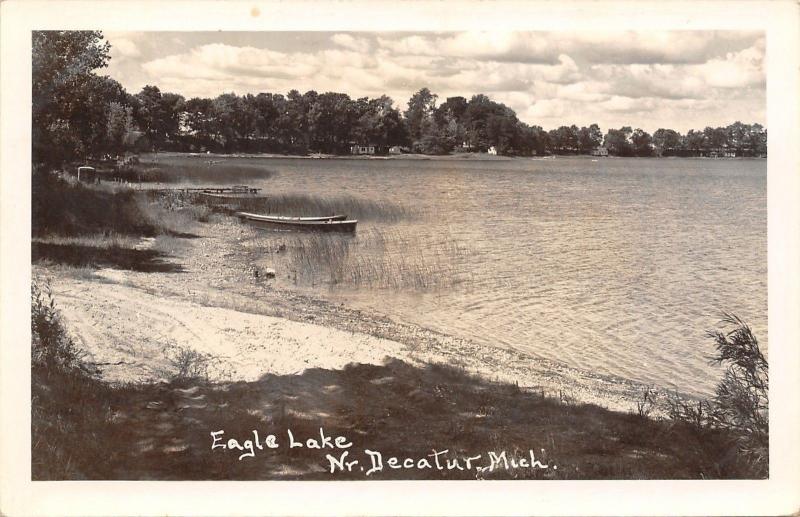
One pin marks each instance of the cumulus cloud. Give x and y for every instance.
(548, 78)
(349, 42)
(124, 48)
(618, 47)
(737, 69)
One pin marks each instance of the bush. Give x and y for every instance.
(51, 347)
(741, 402)
(737, 417)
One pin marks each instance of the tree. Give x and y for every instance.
(565, 138)
(666, 140)
(539, 140)
(642, 143)
(617, 141)
(589, 138)
(331, 119)
(64, 90)
(120, 128)
(420, 108)
(158, 115)
(379, 123)
(200, 119)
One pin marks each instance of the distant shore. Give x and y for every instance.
(432, 157)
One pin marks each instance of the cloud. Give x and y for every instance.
(737, 69)
(124, 48)
(548, 78)
(349, 42)
(218, 61)
(611, 47)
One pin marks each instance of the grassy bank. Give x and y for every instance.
(78, 227)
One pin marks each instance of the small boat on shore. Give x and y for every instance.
(331, 223)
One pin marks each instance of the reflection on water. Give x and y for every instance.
(617, 265)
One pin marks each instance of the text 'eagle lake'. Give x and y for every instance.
(376, 461)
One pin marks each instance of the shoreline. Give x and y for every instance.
(213, 285)
(471, 156)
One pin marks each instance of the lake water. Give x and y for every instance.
(618, 266)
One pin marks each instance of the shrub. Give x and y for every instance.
(736, 419)
(741, 402)
(187, 363)
(647, 403)
(51, 347)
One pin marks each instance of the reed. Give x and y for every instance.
(376, 258)
(313, 205)
(166, 170)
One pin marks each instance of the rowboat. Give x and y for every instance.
(333, 223)
(263, 217)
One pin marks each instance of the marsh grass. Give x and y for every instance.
(376, 258)
(318, 205)
(169, 170)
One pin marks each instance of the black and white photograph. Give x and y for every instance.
(355, 255)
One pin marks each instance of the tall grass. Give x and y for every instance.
(165, 170)
(173, 211)
(316, 205)
(67, 209)
(71, 411)
(376, 258)
(61, 207)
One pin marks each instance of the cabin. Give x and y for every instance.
(600, 151)
(362, 149)
(395, 149)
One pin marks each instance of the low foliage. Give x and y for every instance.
(187, 363)
(52, 350)
(71, 411)
(738, 414)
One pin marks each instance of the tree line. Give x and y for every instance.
(79, 114)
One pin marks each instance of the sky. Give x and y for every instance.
(648, 79)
